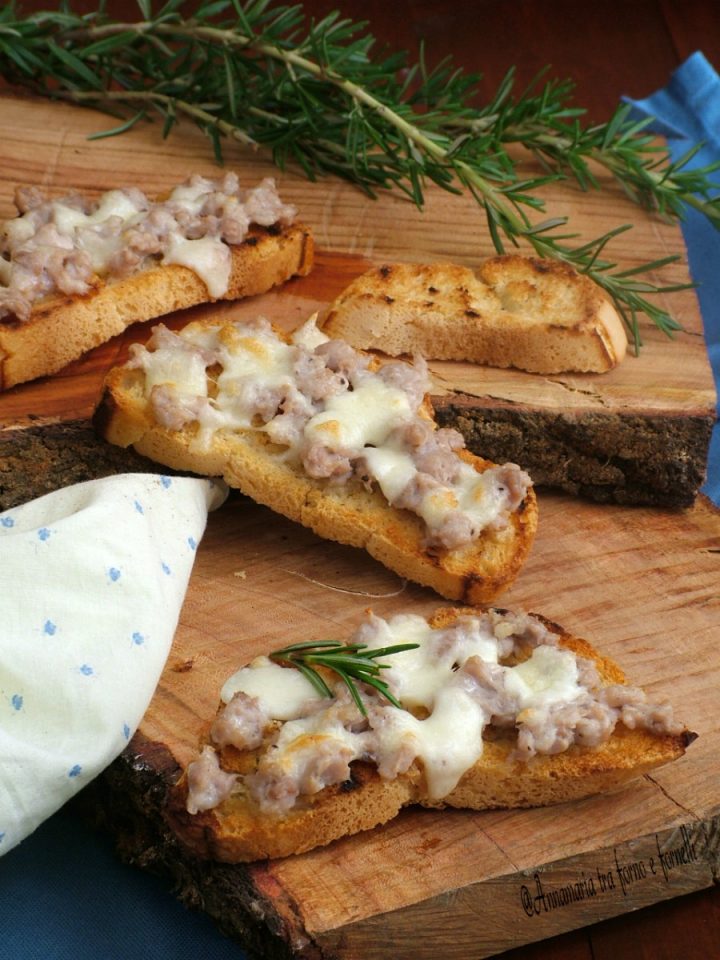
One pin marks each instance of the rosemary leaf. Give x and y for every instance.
(121, 128)
(352, 663)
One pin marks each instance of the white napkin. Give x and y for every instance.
(92, 579)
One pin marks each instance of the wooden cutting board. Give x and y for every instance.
(467, 884)
(641, 583)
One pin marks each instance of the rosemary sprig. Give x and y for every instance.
(546, 124)
(320, 96)
(351, 662)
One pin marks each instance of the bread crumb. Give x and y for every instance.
(183, 666)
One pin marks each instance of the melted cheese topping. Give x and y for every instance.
(448, 741)
(392, 468)
(549, 676)
(418, 674)
(85, 230)
(309, 335)
(306, 733)
(254, 360)
(185, 372)
(114, 203)
(475, 494)
(359, 418)
(282, 692)
(444, 715)
(250, 361)
(478, 495)
(208, 257)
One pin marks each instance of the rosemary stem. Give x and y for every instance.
(607, 158)
(153, 96)
(232, 38)
(353, 90)
(655, 181)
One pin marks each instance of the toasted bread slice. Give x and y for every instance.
(353, 512)
(244, 821)
(63, 328)
(536, 315)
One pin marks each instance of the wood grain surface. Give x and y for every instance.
(640, 583)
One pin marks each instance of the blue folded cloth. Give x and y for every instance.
(687, 112)
(64, 897)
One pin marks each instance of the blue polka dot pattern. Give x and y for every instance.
(92, 579)
(192, 543)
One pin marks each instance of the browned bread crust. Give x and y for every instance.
(348, 513)
(237, 830)
(62, 328)
(536, 315)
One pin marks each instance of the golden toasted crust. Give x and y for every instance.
(237, 831)
(347, 513)
(537, 315)
(61, 328)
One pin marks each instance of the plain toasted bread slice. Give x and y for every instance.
(351, 513)
(238, 829)
(63, 328)
(536, 315)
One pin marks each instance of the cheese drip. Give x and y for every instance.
(282, 692)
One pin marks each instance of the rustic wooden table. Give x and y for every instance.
(609, 49)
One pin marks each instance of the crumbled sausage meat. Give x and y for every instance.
(412, 379)
(208, 784)
(489, 684)
(27, 198)
(241, 723)
(322, 762)
(173, 410)
(434, 451)
(315, 759)
(321, 462)
(61, 245)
